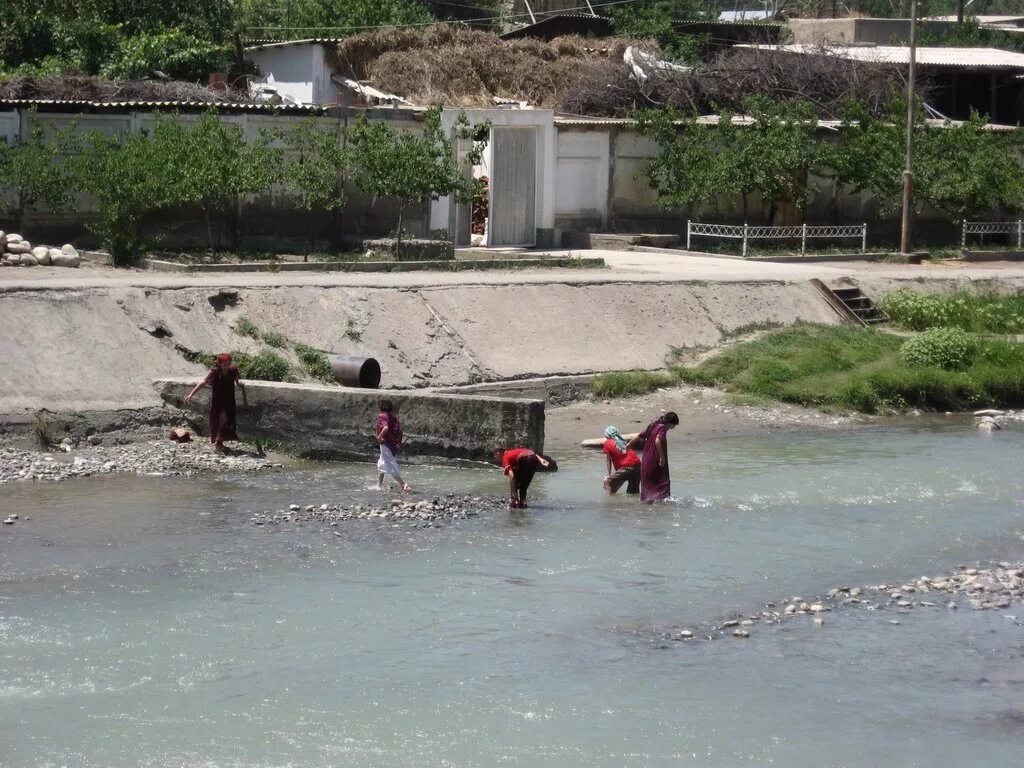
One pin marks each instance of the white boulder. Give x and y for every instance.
(14, 237)
(14, 259)
(19, 246)
(66, 257)
(42, 254)
(3, 240)
(988, 424)
(28, 260)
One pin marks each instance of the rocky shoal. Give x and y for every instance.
(425, 513)
(156, 458)
(996, 586)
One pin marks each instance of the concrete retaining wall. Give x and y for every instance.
(338, 422)
(101, 348)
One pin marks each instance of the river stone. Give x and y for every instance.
(52, 253)
(3, 240)
(42, 255)
(14, 237)
(14, 259)
(28, 260)
(19, 247)
(65, 259)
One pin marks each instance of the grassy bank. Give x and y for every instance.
(854, 369)
(868, 371)
(974, 312)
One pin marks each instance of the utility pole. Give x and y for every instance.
(908, 173)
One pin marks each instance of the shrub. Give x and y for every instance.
(266, 366)
(982, 313)
(948, 348)
(315, 363)
(627, 383)
(246, 327)
(274, 339)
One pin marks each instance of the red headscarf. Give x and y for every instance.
(224, 358)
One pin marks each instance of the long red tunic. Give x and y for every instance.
(222, 404)
(655, 483)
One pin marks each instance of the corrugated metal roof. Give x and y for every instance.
(579, 121)
(240, 106)
(938, 56)
(255, 45)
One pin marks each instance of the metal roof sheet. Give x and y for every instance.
(937, 56)
(255, 45)
(135, 104)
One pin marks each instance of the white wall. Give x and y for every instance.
(582, 175)
(293, 67)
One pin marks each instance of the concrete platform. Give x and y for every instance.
(338, 422)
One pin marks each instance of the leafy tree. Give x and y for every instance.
(410, 168)
(337, 15)
(688, 171)
(312, 173)
(966, 170)
(865, 155)
(216, 165)
(654, 19)
(131, 177)
(34, 172)
(175, 52)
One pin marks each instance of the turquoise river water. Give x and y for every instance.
(147, 622)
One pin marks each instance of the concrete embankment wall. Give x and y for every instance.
(338, 422)
(100, 349)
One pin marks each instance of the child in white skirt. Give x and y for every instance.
(389, 436)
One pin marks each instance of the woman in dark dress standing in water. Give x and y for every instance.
(655, 483)
(222, 379)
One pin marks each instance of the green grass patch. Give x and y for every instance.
(315, 363)
(266, 366)
(973, 312)
(863, 370)
(274, 339)
(245, 327)
(626, 383)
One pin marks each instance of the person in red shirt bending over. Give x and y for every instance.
(520, 464)
(623, 463)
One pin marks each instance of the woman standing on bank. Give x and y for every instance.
(655, 483)
(222, 379)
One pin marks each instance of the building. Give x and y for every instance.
(958, 80)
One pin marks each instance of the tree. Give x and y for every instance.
(771, 156)
(412, 169)
(865, 155)
(312, 172)
(34, 172)
(131, 177)
(215, 166)
(965, 169)
(688, 171)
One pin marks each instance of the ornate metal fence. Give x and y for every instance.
(1011, 228)
(801, 232)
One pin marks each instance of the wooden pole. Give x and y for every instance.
(908, 173)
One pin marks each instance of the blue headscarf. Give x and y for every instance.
(612, 433)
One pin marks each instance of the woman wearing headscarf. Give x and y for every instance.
(222, 380)
(622, 463)
(655, 483)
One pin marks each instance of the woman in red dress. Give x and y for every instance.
(222, 379)
(655, 482)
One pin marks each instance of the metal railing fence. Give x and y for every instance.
(801, 232)
(1011, 228)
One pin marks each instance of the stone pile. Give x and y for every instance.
(425, 513)
(995, 587)
(16, 251)
(156, 458)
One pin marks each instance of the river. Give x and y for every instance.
(147, 622)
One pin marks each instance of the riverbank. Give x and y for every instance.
(153, 458)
